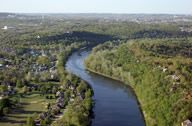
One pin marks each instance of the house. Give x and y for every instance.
(1, 97)
(71, 99)
(165, 69)
(52, 76)
(5, 28)
(53, 70)
(81, 95)
(62, 87)
(175, 77)
(72, 87)
(43, 115)
(61, 104)
(33, 53)
(38, 37)
(186, 123)
(73, 95)
(1, 66)
(38, 68)
(43, 53)
(59, 100)
(37, 122)
(59, 94)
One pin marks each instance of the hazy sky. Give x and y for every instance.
(97, 6)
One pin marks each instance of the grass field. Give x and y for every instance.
(30, 104)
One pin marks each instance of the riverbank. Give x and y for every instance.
(127, 85)
(78, 96)
(115, 103)
(161, 80)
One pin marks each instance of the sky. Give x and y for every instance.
(97, 6)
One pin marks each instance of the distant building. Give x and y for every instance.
(1, 65)
(164, 69)
(175, 77)
(43, 53)
(58, 93)
(5, 28)
(38, 37)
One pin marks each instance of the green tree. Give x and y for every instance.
(43, 60)
(30, 121)
(19, 84)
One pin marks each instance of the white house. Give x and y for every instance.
(165, 69)
(1, 65)
(175, 77)
(5, 28)
(38, 37)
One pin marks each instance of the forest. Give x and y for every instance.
(159, 70)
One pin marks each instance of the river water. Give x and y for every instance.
(115, 103)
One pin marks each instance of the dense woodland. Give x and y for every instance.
(35, 89)
(159, 70)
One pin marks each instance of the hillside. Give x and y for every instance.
(159, 70)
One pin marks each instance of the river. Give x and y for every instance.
(115, 103)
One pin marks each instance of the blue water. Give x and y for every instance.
(115, 103)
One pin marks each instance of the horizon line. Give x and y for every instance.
(100, 13)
